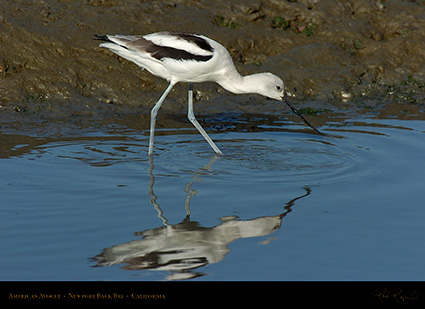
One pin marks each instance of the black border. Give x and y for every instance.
(204, 293)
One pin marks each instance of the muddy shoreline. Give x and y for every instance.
(334, 57)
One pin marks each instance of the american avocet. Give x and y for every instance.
(192, 58)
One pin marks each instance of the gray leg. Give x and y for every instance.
(154, 113)
(195, 122)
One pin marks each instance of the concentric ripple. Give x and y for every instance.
(283, 157)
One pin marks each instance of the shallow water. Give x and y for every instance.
(279, 205)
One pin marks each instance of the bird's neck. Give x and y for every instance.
(234, 82)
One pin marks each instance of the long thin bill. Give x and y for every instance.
(301, 116)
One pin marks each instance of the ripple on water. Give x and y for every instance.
(280, 157)
(251, 157)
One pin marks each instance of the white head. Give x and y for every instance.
(267, 84)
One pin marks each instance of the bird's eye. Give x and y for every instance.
(278, 88)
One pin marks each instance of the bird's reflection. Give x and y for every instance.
(181, 248)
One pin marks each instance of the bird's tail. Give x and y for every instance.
(102, 37)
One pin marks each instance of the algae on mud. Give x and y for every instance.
(328, 53)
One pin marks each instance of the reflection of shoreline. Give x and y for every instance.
(183, 247)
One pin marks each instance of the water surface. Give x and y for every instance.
(279, 205)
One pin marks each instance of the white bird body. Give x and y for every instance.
(191, 58)
(218, 68)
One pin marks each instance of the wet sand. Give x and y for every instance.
(332, 56)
